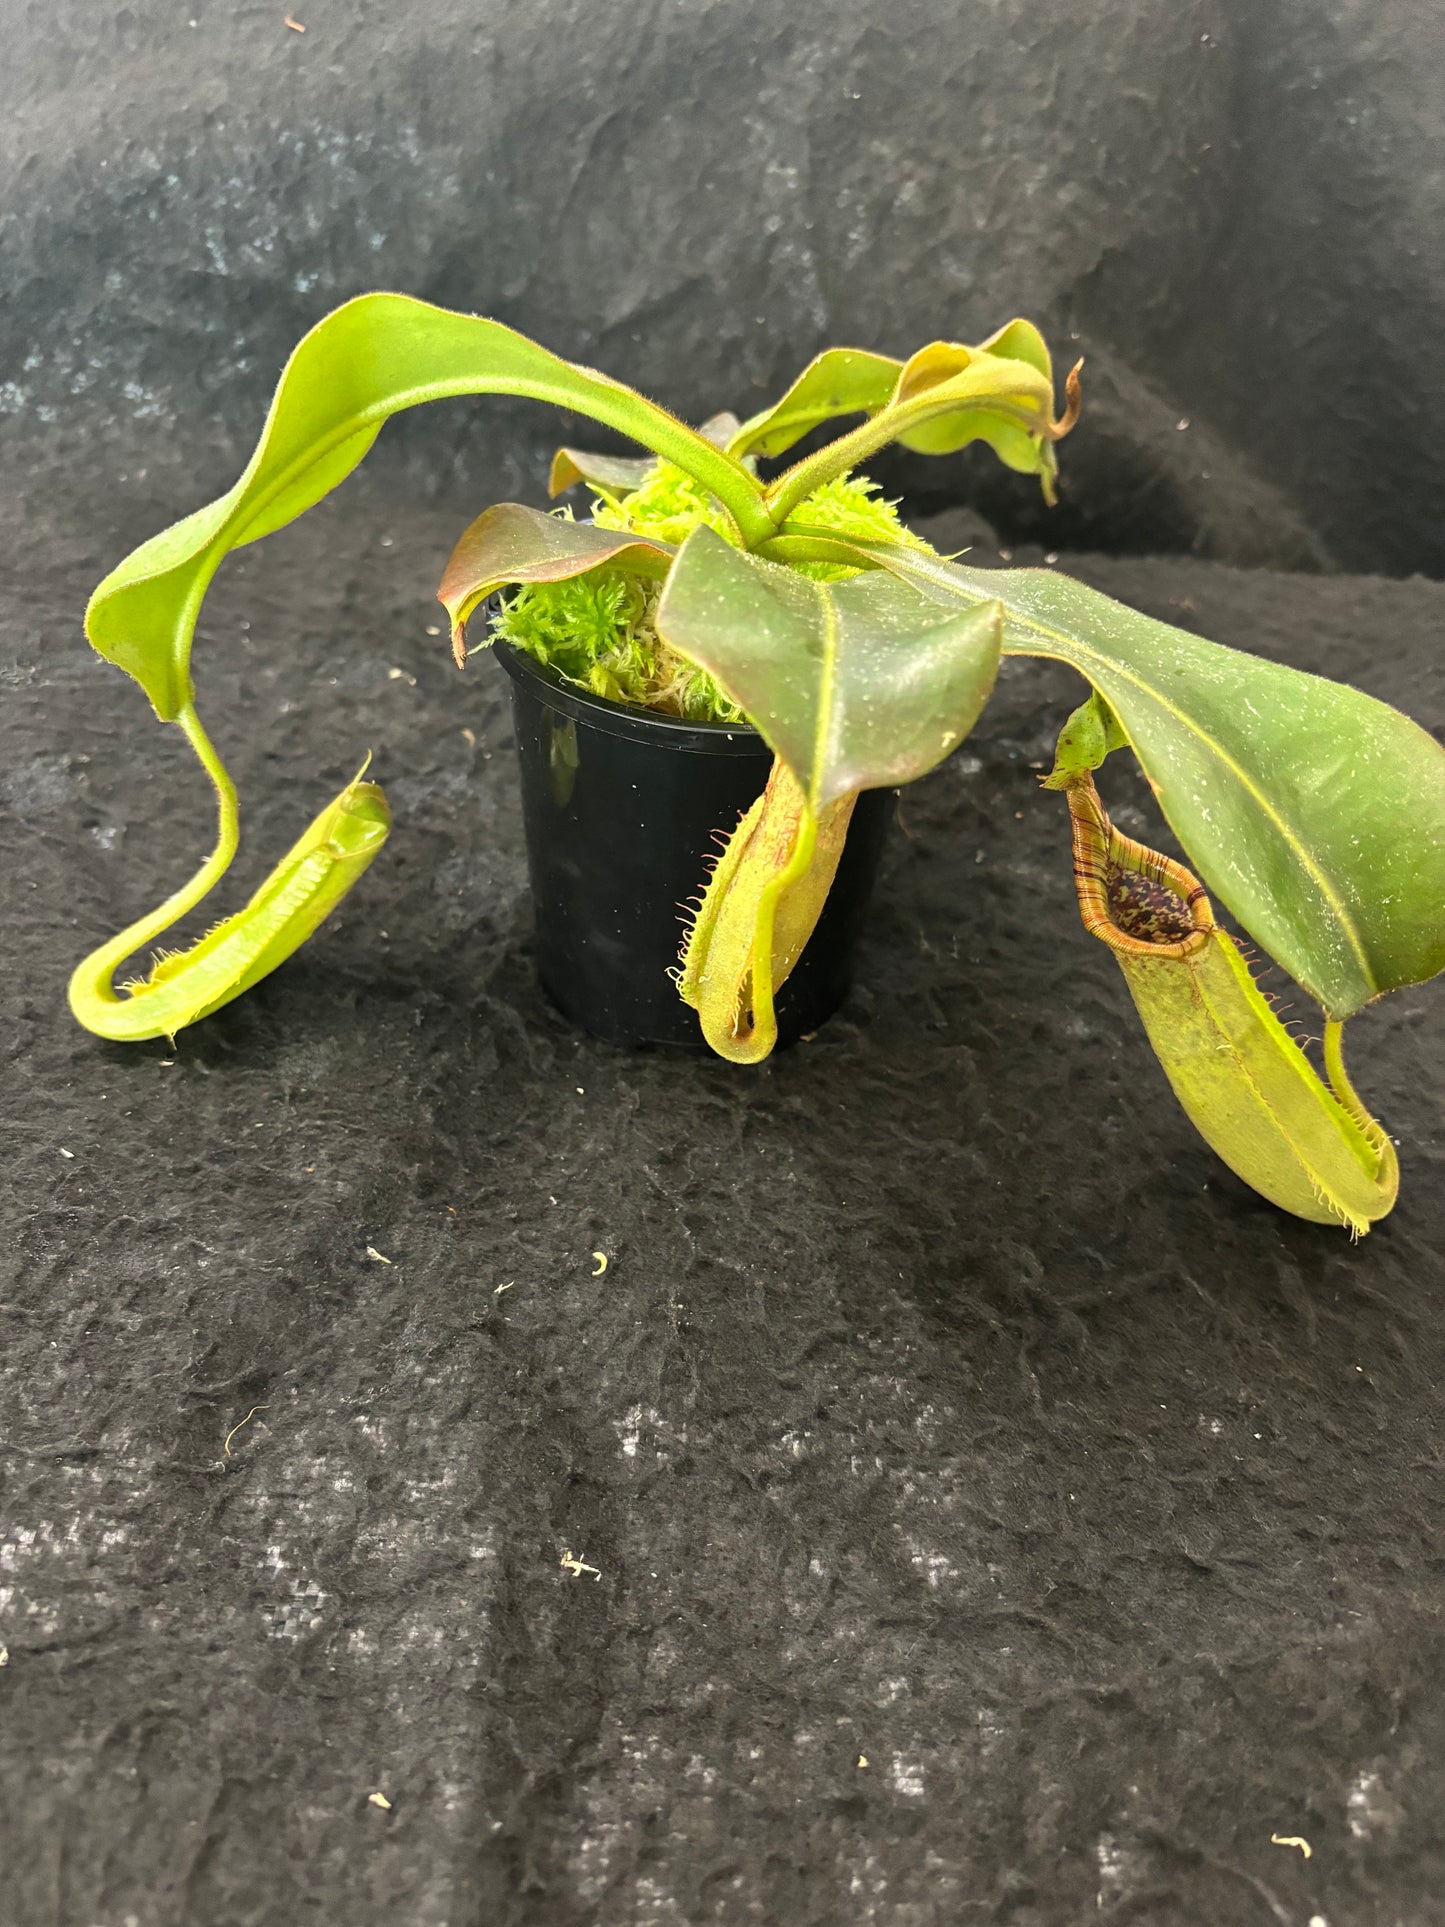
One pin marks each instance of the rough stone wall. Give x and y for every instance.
(1233, 210)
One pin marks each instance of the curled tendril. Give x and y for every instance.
(1073, 405)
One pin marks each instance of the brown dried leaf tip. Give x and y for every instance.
(1073, 402)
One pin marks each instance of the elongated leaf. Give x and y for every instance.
(363, 363)
(1316, 813)
(513, 543)
(855, 684)
(975, 392)
(372, 357)
(847, 381)
(840, 381)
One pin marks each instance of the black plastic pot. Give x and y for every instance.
(621, 808)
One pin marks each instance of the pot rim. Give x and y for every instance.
(556, 692)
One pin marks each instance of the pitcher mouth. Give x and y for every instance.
(1138, 901)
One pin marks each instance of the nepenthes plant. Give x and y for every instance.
(1313, 813)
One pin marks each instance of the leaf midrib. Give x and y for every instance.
(1299, 850)
(1068, 647)
(231, 534)
(827, 684)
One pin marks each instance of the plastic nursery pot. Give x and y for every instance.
(621, 807)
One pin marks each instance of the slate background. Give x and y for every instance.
(944, 1402)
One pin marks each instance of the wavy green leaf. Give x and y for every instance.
(855, 684)
(1017, 445)
(849, 381)
(976, 393)
(365, 362)
(1315, 812)
(512, 543)
(840, 381)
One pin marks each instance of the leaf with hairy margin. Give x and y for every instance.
(840, 381)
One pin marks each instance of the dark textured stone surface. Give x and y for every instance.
(1233, 209)
(1323, 296)
(944, 1404)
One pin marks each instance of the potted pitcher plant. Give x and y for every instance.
(719, 678)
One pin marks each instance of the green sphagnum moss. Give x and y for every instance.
(598, 630)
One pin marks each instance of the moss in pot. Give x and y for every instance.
(634, 760)
(862, 659)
